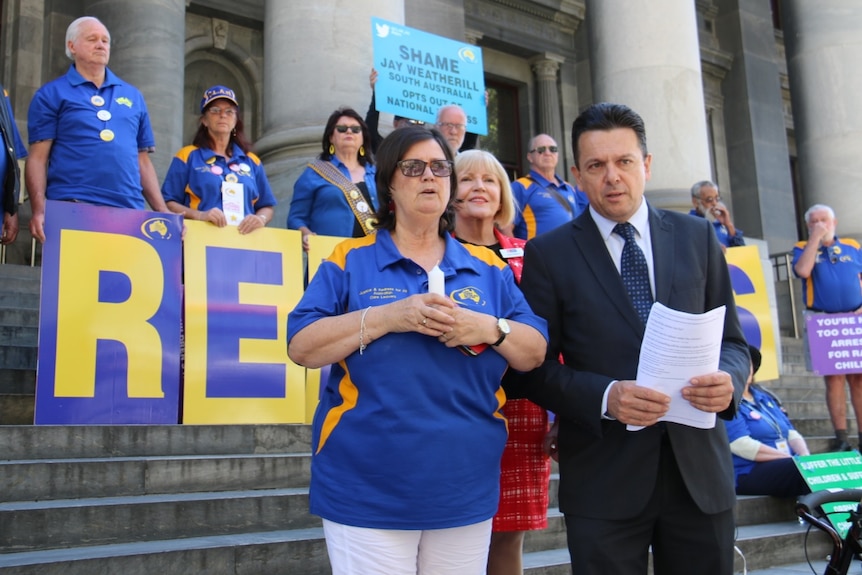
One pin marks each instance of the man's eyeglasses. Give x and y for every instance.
(543, 149)
(710, 200)
(343, 129)
(415, 168)
(415, 122)
(451, 126)
(216, 111)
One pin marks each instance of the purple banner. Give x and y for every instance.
(835, 342)
(109, 340)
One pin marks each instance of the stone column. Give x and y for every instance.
(148, 51)
(824, 48)
(754, 123)
(547, 68)
(314, 64)
(646, 55)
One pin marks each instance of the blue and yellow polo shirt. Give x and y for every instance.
(409, 434)
(833, 286)
(539, 210)
(195, 177)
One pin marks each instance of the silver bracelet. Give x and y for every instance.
(362, 344)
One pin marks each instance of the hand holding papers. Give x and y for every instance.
(676, 347)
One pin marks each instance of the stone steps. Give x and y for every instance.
(136, 476)
(90, 521)
(136, 499)
(19, 320)
(302, 550)
(216, 499)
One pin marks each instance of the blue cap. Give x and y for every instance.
(215, 93)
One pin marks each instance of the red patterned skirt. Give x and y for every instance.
(525, 469)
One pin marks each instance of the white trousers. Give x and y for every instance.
(363, 551)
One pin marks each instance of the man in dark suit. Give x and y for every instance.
(668, 486)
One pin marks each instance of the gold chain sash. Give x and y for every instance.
(361, 210)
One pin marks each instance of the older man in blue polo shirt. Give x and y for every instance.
(544, 200)
(831, 270)
(10, 175)
(90, 134)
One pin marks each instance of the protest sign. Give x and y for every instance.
(420, 72)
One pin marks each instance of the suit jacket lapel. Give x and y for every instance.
(661, 232)
(589, 241)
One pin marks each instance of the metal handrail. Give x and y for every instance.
(783, 272)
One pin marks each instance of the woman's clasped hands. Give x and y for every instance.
(438, 316)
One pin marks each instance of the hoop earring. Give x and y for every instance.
(331, 149)
(362, 151)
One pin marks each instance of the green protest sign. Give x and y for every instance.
(833, 471)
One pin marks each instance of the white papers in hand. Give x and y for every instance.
(676, 347)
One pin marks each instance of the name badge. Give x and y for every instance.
(233, 202)
(512, 253)
(781, 445)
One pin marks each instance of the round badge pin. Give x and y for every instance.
(354, 194)
(230, 178)
(216, 170)
(234, 167)
(361, 207)
(97, 100)
(106, 135)
(103, 115)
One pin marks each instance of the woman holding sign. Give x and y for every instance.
(336, 194)
(217, 179)
(408, 434)
(763, 442)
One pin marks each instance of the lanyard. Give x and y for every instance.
(767, 416)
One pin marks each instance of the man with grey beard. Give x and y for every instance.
(707, 204)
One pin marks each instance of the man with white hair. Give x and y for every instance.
(90, 134)
(452, 123)
(830, 269)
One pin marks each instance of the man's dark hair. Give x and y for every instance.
(606, 116)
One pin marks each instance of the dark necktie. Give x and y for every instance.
(634, 271)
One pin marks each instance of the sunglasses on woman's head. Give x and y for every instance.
(343, 129)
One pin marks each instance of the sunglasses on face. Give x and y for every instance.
(415, 168)
(216, 111)
(343, 129)
(542, 149)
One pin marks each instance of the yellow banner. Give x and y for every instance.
(239, 290)
(319, 248)
(752, 305)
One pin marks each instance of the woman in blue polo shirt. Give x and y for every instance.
(763, 442)
(419, 329)
(217, 179)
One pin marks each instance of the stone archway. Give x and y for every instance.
(213, 59)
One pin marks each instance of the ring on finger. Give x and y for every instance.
(424, 321)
